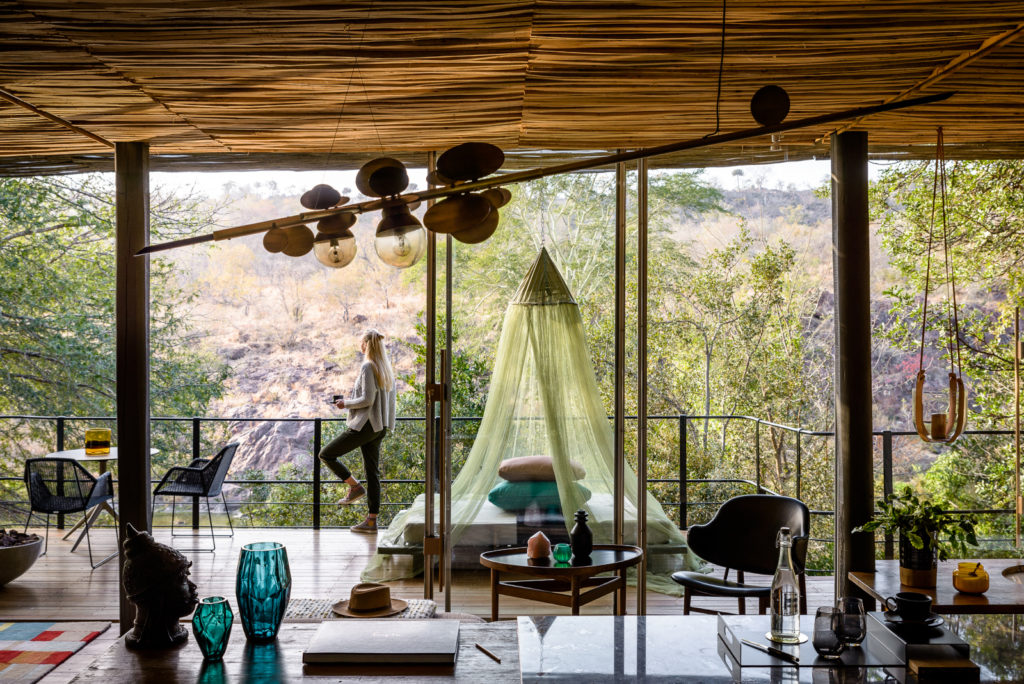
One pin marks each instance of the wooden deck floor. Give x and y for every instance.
(324, 564)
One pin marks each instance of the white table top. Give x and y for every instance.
(79, 454)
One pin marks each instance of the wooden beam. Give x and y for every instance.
(132, 294)
(15, 100)
(956, 64)
(851, 278)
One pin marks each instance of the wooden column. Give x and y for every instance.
(131, 165)
(851, 273)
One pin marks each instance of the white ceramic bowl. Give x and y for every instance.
(15, 560)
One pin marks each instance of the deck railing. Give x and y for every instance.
(684, 504)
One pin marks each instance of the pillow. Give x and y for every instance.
(535, 469)
(518, 496)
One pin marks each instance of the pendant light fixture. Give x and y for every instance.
(944, 428)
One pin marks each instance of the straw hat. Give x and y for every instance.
(369, 600)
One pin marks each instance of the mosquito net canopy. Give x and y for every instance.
(543, 403)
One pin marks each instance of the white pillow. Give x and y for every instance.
(535, 469)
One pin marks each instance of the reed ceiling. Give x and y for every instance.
(314, 84)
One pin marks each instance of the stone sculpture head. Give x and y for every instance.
(155, 579)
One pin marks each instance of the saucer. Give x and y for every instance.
(893, 618)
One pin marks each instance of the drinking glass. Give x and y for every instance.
(825, 641)
(562, 553)
(211, 625)
(262, 587)
(851, 621)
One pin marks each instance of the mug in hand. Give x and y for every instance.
(910, 605)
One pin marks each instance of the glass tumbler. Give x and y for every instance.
(851, 621)
(825, 641)
(211, 625)
(262, 587)
(562, 553)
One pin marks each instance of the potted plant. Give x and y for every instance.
(925, 531)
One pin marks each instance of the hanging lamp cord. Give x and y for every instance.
(721, 66)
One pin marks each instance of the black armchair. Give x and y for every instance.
(742, 536)
(63, 485)
(201, 478)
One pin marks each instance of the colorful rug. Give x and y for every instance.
(29, 650)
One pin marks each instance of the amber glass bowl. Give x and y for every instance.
(970, 578)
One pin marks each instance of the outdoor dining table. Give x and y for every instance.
(102, 459)
(1005, 593)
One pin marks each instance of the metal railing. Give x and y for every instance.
(684, 504)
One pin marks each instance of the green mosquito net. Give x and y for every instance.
(543, 402)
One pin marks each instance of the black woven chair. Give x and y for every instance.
(742, 536)
(200, 478)
(63, 485)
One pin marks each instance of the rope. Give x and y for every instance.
(952, 323)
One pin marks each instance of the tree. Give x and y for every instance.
(57, 308)
(985, 214)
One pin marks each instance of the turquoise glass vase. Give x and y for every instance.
(211, 625)
(262, 587)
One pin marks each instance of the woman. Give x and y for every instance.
(371, 413)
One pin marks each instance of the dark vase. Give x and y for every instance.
(917, 566)
(581, 539)
(262, 587)
(211, 625)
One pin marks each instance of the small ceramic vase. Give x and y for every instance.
(538, 546)
(581, 538)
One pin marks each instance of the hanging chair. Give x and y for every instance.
(543, 405)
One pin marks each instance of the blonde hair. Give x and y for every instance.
(377, 354)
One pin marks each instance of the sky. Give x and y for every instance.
(801, 174)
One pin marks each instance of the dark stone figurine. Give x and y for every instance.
(155, 579)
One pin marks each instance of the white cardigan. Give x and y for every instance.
(368, 403)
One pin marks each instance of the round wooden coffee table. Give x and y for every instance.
(554, 580)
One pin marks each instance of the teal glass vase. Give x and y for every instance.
(211, 625)
(262, 587)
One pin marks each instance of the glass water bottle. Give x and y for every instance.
(785, 594)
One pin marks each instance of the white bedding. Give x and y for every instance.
(496, 527)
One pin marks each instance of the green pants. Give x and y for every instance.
(368, 442)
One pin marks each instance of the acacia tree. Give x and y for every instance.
(57, 308)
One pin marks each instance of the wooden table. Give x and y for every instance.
(554, 580)
(281, 661)
(1004, 595)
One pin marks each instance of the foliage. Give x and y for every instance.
(985, 214)
(923, 523)
(57, 306)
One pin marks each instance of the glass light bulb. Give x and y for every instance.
(337, 252)
(401, 247)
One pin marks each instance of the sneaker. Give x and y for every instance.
(365, 527)
(355, 493)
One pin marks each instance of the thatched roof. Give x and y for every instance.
(271, 83)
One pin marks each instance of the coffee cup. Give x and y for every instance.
(910, 606)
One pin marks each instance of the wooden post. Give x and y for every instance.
(131, 166)
(851, 273)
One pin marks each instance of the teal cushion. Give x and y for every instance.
(518, 496)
